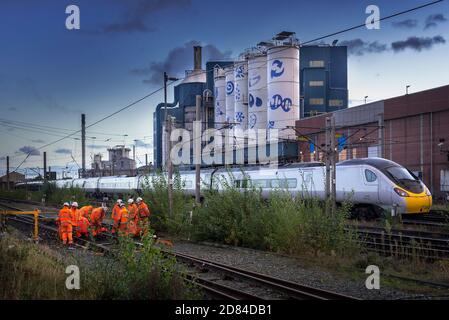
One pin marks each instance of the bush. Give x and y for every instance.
(143, 274)
(155, 192)
(280, 223)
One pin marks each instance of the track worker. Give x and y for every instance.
(123, 222)
(65, 224)
(133, 219)
(96, 220)
(115, 215)
(75, 215)
(143, 213)
(83, 224)
(86, 211)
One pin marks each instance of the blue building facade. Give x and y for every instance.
(324, 79)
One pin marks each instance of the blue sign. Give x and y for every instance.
(239, 116)
(229, 87)
(270, 124)
(341, 143)
(277, 69)
(252, 120)
(311, 147)
(254, 80)
(277, 101)
(257, 102)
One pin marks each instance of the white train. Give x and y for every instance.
(371, 184)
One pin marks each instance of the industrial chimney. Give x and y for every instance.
(197, 57)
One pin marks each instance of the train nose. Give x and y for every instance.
(418, 204)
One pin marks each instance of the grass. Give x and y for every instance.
(29, 271)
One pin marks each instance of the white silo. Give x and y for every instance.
(230, 102)
(220, 97)
(241, 94)
(283, 89)
(257, 92)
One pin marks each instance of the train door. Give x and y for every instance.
(370, 194)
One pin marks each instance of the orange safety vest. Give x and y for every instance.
(76, 214)
(86, 210)
(65, 217)
(132, 211)
(97, 215)
(143, 210)
(123, 219)
(83, 225)
(115, 215)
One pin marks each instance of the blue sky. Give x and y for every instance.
(50, 75)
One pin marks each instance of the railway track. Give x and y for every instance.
(214, 289)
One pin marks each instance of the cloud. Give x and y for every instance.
(434, 19)
(13, 109)
(38, 141)
(141, 144)
(63, 151)
(359, 47)
(417, 43)
(97, 146)
(32, 151)
(138, 13)
(407, 24)
(178, 60)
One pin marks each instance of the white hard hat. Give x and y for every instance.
(130, 201)
(66, 204)
(139, 199)
(121, 204)
(119, 200)
(75, 204)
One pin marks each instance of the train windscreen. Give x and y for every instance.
(405, 179)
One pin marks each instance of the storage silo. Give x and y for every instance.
(229, 78)
(257, 92)
(283, 89)
(241, 94)
(220, 97)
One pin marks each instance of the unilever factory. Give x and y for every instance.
(262, 89)
(283, 85)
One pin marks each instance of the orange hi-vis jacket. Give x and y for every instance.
(83, 226)
(115, 215)
(97, 215)
(143, 210)
(132, 211)
(86, 211)
(124, 219)
(76, 214)
(65, 217)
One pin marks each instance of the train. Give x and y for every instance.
(373, 185)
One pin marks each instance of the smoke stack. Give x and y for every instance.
(197, 57)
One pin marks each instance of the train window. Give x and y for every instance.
(284, 183)
(400, 173)
(259, 183)
(370, 176)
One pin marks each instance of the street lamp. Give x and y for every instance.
(366, 98)
(406, 88)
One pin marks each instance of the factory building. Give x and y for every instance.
(182, 108)
(411, 130)
(119, 163)
(269, 86)
(324, 79)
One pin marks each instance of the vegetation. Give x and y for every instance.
(280, 223)
(155, 193)
(49, 192)
(29, 271)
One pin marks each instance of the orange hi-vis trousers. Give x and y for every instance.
(66, 233)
